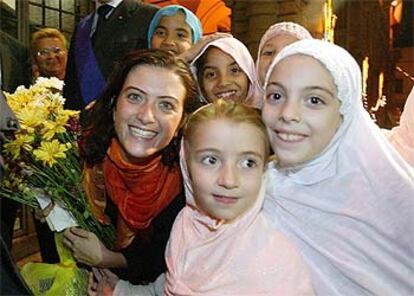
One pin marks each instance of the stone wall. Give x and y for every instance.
(250, 19)
(362, 28)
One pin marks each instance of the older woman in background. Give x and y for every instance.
(49, 53)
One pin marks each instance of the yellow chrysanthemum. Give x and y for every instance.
(49, 152)
(50, 128)
(30, 118)
(19, 99)
(21, 142)
(69, 113)
(62, 118)
(53, 104)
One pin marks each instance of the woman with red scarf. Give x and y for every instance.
(131, 174)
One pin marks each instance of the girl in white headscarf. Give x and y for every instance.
(339, 189)
(276, 37)
(225, 70)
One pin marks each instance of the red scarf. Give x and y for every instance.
(139, 190)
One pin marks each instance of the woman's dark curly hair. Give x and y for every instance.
(98, 124)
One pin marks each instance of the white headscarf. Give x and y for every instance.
(402, 136)
(350, 210)
(282, 28)
(241, 55)
(245, 257)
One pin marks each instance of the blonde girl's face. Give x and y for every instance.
(270, 49)
(173, 34)
(301, 110)
(226, 177)
(222, 77)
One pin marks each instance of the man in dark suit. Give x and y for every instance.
(15, 70)
(101, 38)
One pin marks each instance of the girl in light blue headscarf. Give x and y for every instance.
(174, 28)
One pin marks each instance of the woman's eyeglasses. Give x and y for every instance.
(48, 50)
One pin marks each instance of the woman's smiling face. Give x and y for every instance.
(149, 110)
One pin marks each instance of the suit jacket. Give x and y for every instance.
(15, 63)
(124, 31)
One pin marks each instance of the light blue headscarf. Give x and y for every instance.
(190, 18)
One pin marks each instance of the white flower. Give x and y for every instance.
(38, 100)
(52, 82)
(20, 88)
(58, 97)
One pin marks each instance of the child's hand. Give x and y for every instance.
(102, 282)
(90, 105)
(85, 246)
(41, 215)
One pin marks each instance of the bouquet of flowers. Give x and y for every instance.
(42, 162)
(42, 158)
